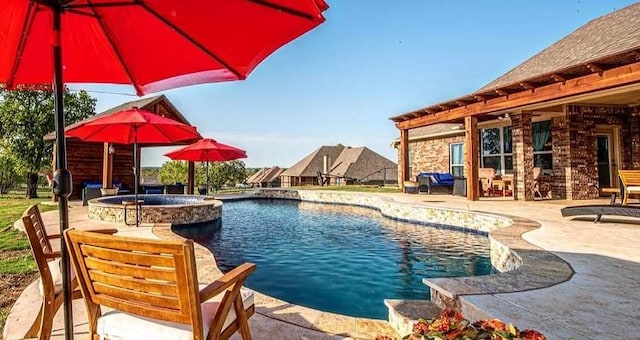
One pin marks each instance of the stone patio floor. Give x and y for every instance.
(599, 302)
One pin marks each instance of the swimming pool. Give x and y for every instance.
(337, 258)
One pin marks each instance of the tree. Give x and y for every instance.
(8, 171)
(221, 173)
(27, 116)
(173, 172)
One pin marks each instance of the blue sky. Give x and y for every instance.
(369, 61)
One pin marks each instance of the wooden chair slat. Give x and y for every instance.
(144, 259)
(151, 286)
(139, 297)
(118, 268)
(154, 312)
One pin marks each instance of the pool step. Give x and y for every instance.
(404, 313)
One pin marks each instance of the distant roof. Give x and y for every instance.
(611, 34)
(265, 175)
(361, 162)
(144, 103)
(604, 43)
(314, 162)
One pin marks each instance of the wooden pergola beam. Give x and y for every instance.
(558, 78)
(594, 68)
(527, 86)
(501, 92)
(619, 76)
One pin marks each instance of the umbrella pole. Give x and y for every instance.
(135, 173)
(207, 192)
(62, 176)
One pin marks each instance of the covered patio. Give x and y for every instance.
(572, 110)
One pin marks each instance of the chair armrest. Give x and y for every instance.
(106, 231)
(218, 286)
(52, 255)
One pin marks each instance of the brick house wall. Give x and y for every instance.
(582, 140)
(431, 155)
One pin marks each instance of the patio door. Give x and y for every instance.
(607, 152)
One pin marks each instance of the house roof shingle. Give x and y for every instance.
(608, 35)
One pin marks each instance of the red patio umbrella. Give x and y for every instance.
(134, 126)
(119, 41)
(207, 150)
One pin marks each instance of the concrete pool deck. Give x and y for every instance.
(599, 301)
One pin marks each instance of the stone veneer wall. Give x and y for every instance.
(207, 210)
(431, 155)
(582, 138)
(502, 258)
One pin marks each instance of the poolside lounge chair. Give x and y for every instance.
(152, 287)
(48, 262)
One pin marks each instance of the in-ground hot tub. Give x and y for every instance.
(174, 209)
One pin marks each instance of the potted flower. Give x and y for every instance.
(451, 325)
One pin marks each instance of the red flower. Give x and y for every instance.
(421, 328)
(491, 325)
(452, 314)
(530, 334)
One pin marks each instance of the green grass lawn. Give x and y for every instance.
(17, 267)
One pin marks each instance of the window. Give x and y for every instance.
(542, 147)
(456, 159)
(497, 149)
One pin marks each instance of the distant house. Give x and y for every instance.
(266, 178)
(341, 165)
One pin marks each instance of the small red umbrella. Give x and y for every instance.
(207, 150)
(134, 126)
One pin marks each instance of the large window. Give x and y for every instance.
(497, 150)
(542, 147)
(456, 159)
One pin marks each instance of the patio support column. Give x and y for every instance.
(522, 156)
(471, 158)
(191, 176)
(403, 163)
(107, 167)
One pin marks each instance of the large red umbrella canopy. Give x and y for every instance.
(152, 44)
(207, 150)
(134, 126)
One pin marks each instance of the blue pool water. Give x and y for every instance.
(334, 258)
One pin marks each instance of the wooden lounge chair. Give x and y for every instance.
(152, 287)
(630, 180)
(486, 176)
(48, 262)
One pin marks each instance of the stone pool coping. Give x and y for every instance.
(522, 266)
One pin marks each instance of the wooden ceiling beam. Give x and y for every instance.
(461, 103)
(619, 76)
(558, 78)
(594, 68)
(502, 92)
(480, 98)
(527, 86)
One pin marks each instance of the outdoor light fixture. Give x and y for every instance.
(505, 116)
(112, 149)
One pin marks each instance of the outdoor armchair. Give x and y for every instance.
(152, 287)
(48, 262)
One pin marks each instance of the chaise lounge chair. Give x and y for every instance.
(152, 287)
